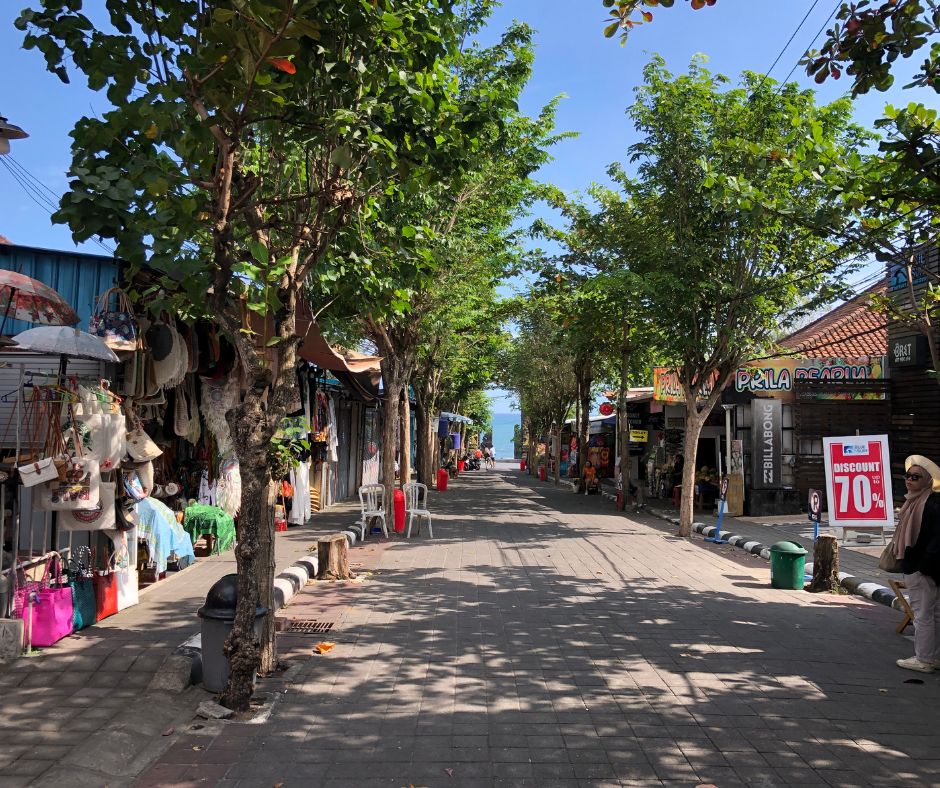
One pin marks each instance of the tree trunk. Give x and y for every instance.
(530, 449)
(693, 429)
(825, 564)
(392, 375)
(333, 558)
(405, 432)
(557, 455)
(623, 415)
(253, 551)
(585, 382)
(252, 424)
(422, 446)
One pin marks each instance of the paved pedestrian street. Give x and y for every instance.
(542, 639)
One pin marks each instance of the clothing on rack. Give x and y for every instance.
(301, 509)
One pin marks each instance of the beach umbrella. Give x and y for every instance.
(65, 342)
(23, 298)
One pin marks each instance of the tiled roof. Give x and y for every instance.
(848, 331)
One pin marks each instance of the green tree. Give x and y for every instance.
(245, 138)
(722, 278)
(600, 243)
(458, 228)
(625, 15)
(538, 368)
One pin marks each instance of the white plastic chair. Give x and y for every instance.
(372, 505)
(416, 505)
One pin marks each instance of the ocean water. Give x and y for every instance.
(503, 424)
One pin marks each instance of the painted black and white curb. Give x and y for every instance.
(854, 585)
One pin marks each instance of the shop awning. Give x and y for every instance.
(445, 416)
(315, 349)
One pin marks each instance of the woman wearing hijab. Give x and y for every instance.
(917, 545)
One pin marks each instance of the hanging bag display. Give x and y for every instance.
(107, 437)
(101, 518)
(80, 574)
(105, 582)
(80, 490)
(116, 326)
(47, 610)
(141, 446)
(36, 470)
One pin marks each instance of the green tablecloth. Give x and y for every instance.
(200, 519)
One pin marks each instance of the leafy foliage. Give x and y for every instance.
(871, 35)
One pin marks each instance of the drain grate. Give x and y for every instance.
(306, 626)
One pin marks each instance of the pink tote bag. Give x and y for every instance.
(49, 618)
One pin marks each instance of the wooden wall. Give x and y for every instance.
(816, 418)
(915, 395)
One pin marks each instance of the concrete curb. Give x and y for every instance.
(854, 585)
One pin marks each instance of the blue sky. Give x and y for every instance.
(572, 57)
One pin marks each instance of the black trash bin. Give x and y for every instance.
(218, 617)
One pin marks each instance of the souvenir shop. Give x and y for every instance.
(118, 463)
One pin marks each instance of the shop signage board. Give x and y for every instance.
(909, 351)
(858, 481)
(766, 440)
(666, 386)
(639, 436)
(776, 377)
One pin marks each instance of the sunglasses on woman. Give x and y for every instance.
(913, 477)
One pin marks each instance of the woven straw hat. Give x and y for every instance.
(928, 465)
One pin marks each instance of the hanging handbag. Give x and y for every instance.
(47, 610)
(80, 576)
(105, 583)
(141, 446)
(116, 326)
(101, 518)
(82, 489)
(107, 438)
(37, 472)
(889, 562)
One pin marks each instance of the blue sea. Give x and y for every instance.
(503, 424)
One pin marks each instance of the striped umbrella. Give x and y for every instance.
(23, 298)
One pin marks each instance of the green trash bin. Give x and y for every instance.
(787, 566)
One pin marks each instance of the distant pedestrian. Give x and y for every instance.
(917, 545)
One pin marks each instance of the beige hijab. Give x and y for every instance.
(909, 520)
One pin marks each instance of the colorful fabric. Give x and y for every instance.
(200, 520)
(164, 536)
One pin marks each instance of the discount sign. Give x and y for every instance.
(858, 481)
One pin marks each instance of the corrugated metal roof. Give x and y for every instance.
(79, 278)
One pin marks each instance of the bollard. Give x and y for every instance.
(218, 617)
(398, 498)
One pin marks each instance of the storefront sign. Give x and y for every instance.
(909, 351)
(776, 377)
(766, 440)
(639, 436)
(858, 481)
(667, 388)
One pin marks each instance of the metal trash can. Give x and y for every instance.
(787, 566)
(218, 617)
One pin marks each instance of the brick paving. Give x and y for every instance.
(79, 713)
(541, 639)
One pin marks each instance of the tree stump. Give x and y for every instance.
(825, 565)
(333, 558)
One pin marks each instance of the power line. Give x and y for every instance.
(34, 189)
(786, 46)
(818, 33)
